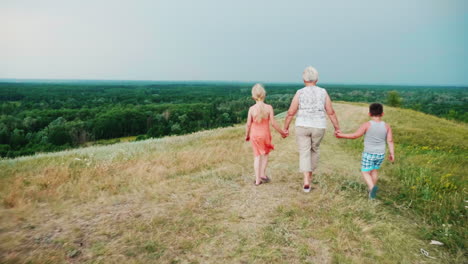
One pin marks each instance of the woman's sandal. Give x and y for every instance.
(255, 182)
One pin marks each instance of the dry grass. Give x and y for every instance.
(190, 199)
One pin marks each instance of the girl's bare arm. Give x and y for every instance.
(273, 121)
(359, 132)
(248, 125)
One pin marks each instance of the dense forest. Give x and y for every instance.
(40, 117)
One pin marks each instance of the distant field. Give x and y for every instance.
(52, 116)
(191, 199)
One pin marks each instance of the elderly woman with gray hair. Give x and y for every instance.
(310, 103)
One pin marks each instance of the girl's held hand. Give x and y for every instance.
(284, 134)
(391, 157)
(247, 138)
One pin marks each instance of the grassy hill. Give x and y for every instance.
(191, 199)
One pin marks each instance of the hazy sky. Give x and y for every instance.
(367, 41)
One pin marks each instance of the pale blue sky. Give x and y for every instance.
(367, 41)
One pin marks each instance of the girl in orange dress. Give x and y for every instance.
(257, 131)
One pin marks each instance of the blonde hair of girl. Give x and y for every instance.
(258, 94)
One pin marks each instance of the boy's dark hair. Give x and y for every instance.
(376, 109)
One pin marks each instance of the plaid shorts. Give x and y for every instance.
(371, 161)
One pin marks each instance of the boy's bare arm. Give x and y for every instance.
(248, 125)
(292, 111)
(359, 132)
(391, 147)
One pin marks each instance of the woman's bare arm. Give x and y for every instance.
(331, 113)
(292, 111)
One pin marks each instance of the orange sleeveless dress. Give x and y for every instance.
(260, 137)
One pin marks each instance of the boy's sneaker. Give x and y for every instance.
(307, 188)
(373, 192)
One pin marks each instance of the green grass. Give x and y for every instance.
(190, 199)
(428, 179)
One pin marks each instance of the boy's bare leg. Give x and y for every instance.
(368, 179)
(374, 175)
(264, 163)
(257, 169)
(307, 178)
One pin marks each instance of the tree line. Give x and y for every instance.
(41, 117)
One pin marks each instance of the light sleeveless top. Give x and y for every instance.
(375, 138)
(311, 112)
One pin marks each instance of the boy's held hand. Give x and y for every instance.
(247, 138)
(391, 158)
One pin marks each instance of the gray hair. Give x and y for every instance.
(310, 74)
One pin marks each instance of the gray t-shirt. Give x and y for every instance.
(375, 138)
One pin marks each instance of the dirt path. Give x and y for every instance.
(257, 207)
(191, 199)
(277, 222)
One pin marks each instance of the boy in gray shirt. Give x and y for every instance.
(376, 132)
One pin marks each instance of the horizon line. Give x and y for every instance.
(47, 80)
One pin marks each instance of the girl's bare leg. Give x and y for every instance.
(374, 175)
(264, 163)
(257, 169)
